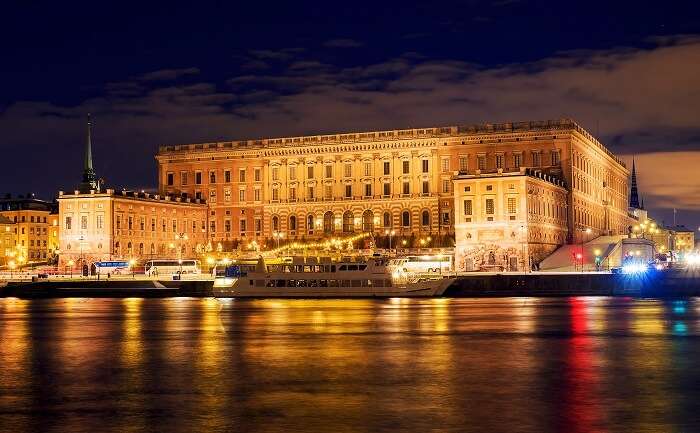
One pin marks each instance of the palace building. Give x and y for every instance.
(403, 180)
(104, 224)
(36, 226)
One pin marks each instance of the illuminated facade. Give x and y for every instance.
(128, 225)
(8, 239)
(508, 220)
(35, 227)
(315, 186)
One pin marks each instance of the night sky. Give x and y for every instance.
(152, 74)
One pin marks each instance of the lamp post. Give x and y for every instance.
(180, 237)
(71, 263)
(526, 257)
(586, 231)
(12, 267)
(391, 234)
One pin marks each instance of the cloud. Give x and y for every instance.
(342, 43)
(638, 100)
(168, 74)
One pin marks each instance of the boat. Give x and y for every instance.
(319, 277)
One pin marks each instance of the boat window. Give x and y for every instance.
(362, 267)
(387, 283)
(280, 283)
(344, 283)
(259, 283)
(332, 268)
(308, 269)
(366, 283)
(323, 283)
(357, 283)
(270, 283)
(343, 268)
(313, 283)
(332, 283)
(301, 283)
(291, 283)
(352, 267)
(378, 283)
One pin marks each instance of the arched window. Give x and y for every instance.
(293, 223)
(141, 249)
(348, 225)
(117, 248)
(310, 224)
(129, 248)
(275, 223)
(406, 218)
(387, 220)
(153, 249)
(425, 218)
(328, 226)
(367, 221)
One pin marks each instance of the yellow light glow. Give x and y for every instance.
(596, 252)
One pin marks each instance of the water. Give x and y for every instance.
(462, 365)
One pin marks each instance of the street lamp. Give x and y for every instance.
(132, 263)
(586, 231)
(391, 233)
(12, 267)
(526, 257)
(71, 263)
(180, 237)
(277, 236)
(597, 259)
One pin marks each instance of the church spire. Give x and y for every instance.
(89, 177)
(634, 194)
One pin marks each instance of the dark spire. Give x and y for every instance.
(634, 194)
(89, 177)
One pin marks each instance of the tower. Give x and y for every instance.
(89, 177)
(634, 194)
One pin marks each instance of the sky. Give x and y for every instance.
(190, 72)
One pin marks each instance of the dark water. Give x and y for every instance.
(487, 365)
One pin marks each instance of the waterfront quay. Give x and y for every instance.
(675, 283)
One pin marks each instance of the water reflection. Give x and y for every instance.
(520, 364)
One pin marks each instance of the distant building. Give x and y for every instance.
(104, 224)
(683, 238)
(8, 240)
(36, 224)
(508, 220)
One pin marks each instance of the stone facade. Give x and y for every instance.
(8, 239)
(315, 185)
(508, 220)
(128, 225)
(36, 225)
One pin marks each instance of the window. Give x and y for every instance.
(489, 206)
(101, 222)
(310, 192)
(481, 162)
(426, 187)
(309, 171)
(512, 207)
(275, 173)
(241, 175)
(257, 174)
(555, 157)
(171, 179)
(227, 176)
(468, 207)
(387, 219)
(292, 223)
(425, 218)
(463, 163)
(347, 169)
(212, 177)
(446, 218)
(258, 226)
(183, 178)
(292, 193)
(387, 168)
(499, 161)
(163, 225)
(368, 168)
(70, 219)
(405, 188)
(243, 227)
(212, 226)
(174, 225)
(387, 188)
(328, 191)
(227, 195)
(131, 222)
(256, 194)
(329, 171)
(198, 195)
(405, 219)
(275, 194)
(446, 185)
(348, 191)
(198, 178)
(517, 160)
(368, 190)
(424, 165)
(445, 164)
(536, 160)
(293, 172)
(153, 225)
(84, 222)
(212, 196)
(275, 223)
(406, 166)
(241, 195)
(142, 222)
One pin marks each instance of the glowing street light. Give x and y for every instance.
(391, 234)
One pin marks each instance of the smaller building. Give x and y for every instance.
(683, 239)
(8, 240)
(508, 221)
(129, 225)
(33, 218)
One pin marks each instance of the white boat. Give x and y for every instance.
(318, 277)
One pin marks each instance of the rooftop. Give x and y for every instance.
(530, 172)
(137, 195)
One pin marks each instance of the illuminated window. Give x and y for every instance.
(293, 172)
(468, 207)
(481, 162)
(227, 176)
(512, 207)
(212, 177)
(489, 206)
(446, 185)
(517, 160)
(183, 178)
(292, 193)
(555, 157)
(84, 222)
(241, 195)
(445, 164)
(328, 191)
(212, 196)
(275, 173)
(256, 194)
(536, 159)
(347, 169)
(463, 163)
(227, 194)
(142, 222)
(368, 168)
(499, 161)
